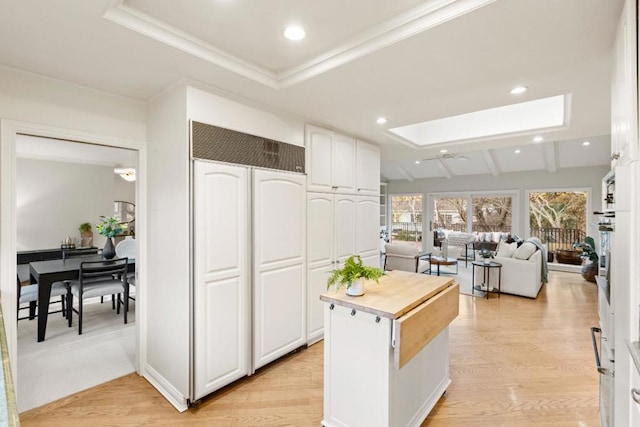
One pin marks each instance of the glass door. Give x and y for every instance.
(406, 219)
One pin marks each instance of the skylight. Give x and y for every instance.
(540, 114)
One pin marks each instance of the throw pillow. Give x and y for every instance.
(525, 251)
(506, 250)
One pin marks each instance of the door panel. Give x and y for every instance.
(343, 160)
(368, 232)
(319, 228)
(319, 143)
(220, 276)
(345, 227)
(279, 218)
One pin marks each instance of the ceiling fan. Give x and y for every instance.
(446, 156)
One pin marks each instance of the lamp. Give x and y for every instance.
(128, 174)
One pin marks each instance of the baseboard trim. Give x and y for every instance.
(166, 389)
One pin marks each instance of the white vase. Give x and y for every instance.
(487, 260)
(356, 289)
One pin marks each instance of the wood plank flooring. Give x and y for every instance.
(514, 362)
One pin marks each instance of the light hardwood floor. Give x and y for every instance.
(514, 362)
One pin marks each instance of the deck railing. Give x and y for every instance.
(558, 238)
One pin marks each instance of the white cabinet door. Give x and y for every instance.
(279, 289)
(221, 276)
(345, 227)
(624, 90)
(343, 164)
(368, 168)
(320, 248)
(368, 232)
(318, 151)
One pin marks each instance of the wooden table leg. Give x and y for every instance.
(44, 294)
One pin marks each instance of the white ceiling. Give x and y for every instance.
(407, 60)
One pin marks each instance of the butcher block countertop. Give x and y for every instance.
(397, 293)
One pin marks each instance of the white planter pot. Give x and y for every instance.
(487, 260)
(356, 289)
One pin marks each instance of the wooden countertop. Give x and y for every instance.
(397, 293)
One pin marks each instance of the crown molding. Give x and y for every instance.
(401, 27)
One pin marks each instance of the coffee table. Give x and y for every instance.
(442, 261)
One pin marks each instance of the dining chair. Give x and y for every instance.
(98, 278)
(29, 294)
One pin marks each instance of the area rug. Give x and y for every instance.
(463, 278)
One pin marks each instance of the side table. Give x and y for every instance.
(486, 273)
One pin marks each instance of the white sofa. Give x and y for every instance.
(519, 276)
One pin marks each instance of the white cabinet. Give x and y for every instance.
(338, 226)
(331, 239)
(221, 276)
(279, 291)
(367, 168)
(624, 90)
(331, 161)
(225, 279)
(340, 164)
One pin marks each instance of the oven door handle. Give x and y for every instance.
(601, 370)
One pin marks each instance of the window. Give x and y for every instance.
(406, 219)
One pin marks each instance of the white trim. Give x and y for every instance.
(550, 152)
(9, 131)
(403, 26)
(166, 389)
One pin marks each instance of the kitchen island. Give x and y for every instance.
(386, 353)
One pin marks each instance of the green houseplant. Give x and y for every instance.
(589, 253)
(351, 276)
(86, 234)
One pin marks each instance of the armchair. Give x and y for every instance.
(406, 258)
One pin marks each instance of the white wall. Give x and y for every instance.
(32, 98)
(587, 177)
(54, 198)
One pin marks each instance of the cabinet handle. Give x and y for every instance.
(635, 395)
(615, 156)
(601, 370)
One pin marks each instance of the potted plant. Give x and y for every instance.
(352, 276)
(110, 227)
(486, 255)
(86, 234)
(590, 268)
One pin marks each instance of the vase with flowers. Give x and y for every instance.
(110, 227)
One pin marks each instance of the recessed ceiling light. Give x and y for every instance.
(538, 138)
(585, 143)
(417, 162)
(518, 89)
(294, 32)
(444, 150)
(517, 151)
(381, 120)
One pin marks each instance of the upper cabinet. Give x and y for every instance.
(340, 164)
(624, 90)
(368, 168)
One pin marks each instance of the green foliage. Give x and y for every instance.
(588, 249)
(110, 226)
(352, 271)
(85, 227)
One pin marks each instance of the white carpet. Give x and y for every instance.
(65, 362)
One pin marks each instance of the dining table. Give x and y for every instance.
(45, 273)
